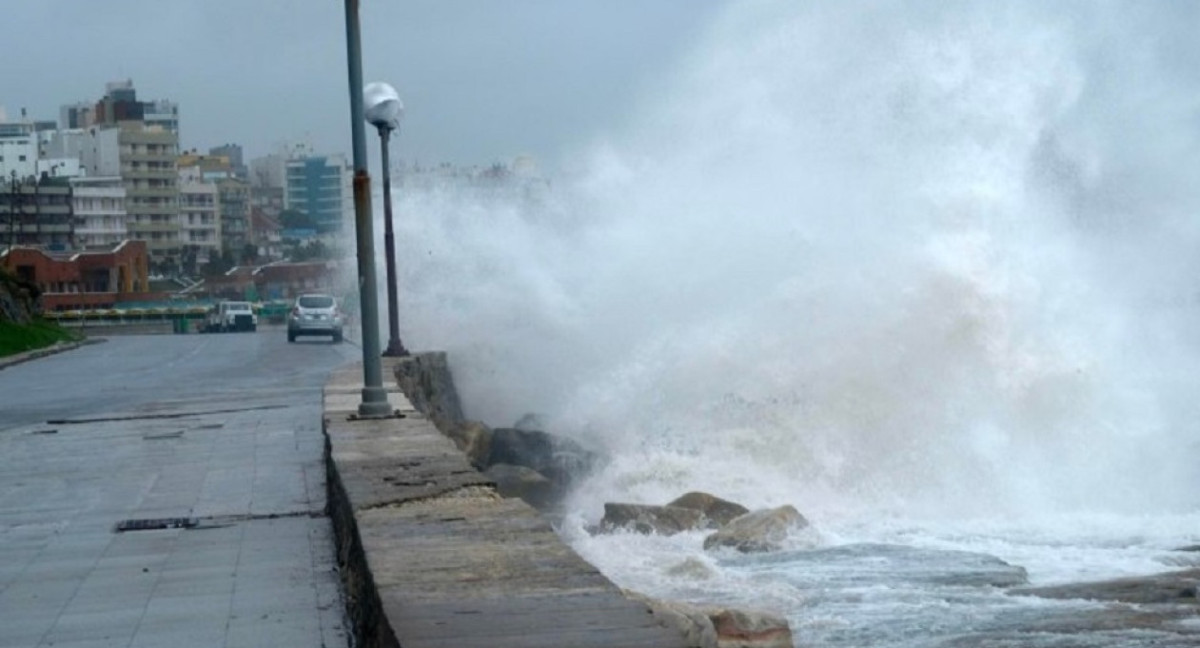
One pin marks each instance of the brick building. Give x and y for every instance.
(94, 279)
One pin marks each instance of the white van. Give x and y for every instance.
(231, 316)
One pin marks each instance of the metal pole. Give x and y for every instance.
(37, 209)
(395, 348)
(12, 212)
(374, 398)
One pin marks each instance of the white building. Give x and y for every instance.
(60, 167)
(199, 215)
(99, 205)
(64, 143)
(18, 150)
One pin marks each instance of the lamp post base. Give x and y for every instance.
(374, 404)
(395, 349)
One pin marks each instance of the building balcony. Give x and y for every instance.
(148, 174)
(146, 156)
(152, 228)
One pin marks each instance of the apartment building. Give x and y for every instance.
(319, 185)
(234, 196)
(144, 158)
(37, 213)
(199, 216)
(18, 150)
(99, 212)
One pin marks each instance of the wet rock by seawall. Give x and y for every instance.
(718, 512)
(647, 518)
(721, 627)
(758, 531)
(1175, 588)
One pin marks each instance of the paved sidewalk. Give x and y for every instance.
(257, 569)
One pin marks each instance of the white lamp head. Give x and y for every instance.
(382, 107)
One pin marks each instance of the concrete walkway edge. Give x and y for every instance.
(430, 554)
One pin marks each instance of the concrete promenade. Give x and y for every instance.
(196, 514)
(432, 556)
(223, 497)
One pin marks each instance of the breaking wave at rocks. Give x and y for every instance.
(886, 263)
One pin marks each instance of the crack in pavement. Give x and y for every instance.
(201, 523)
(170, 415)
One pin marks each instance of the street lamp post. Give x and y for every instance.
(374, 398)
(383, 111)
(12, 209)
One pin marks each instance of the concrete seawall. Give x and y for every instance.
(431, 555)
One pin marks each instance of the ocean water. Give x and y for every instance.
(926, 271)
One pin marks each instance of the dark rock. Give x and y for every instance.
(560, 459)
(718, 511)
(646, 518)
(758, 531)
(20, 300)
(691, 568)
(1177, 587)
(524, 483)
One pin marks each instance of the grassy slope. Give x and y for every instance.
(17, 338)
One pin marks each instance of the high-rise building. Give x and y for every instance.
(122, 143)
(144, 158)
(319, 185)
(119, 104)
(80, 114)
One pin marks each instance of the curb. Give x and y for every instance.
(57, 347)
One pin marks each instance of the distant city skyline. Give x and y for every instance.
(483, 82)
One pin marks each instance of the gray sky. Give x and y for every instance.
(482, 80)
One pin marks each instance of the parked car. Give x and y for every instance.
(315, 314)
(229, 316)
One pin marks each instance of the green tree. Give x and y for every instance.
(219, 264)
(296, 219)
(314, 250)
(249, 254)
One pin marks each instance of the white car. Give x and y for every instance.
(315, 315)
